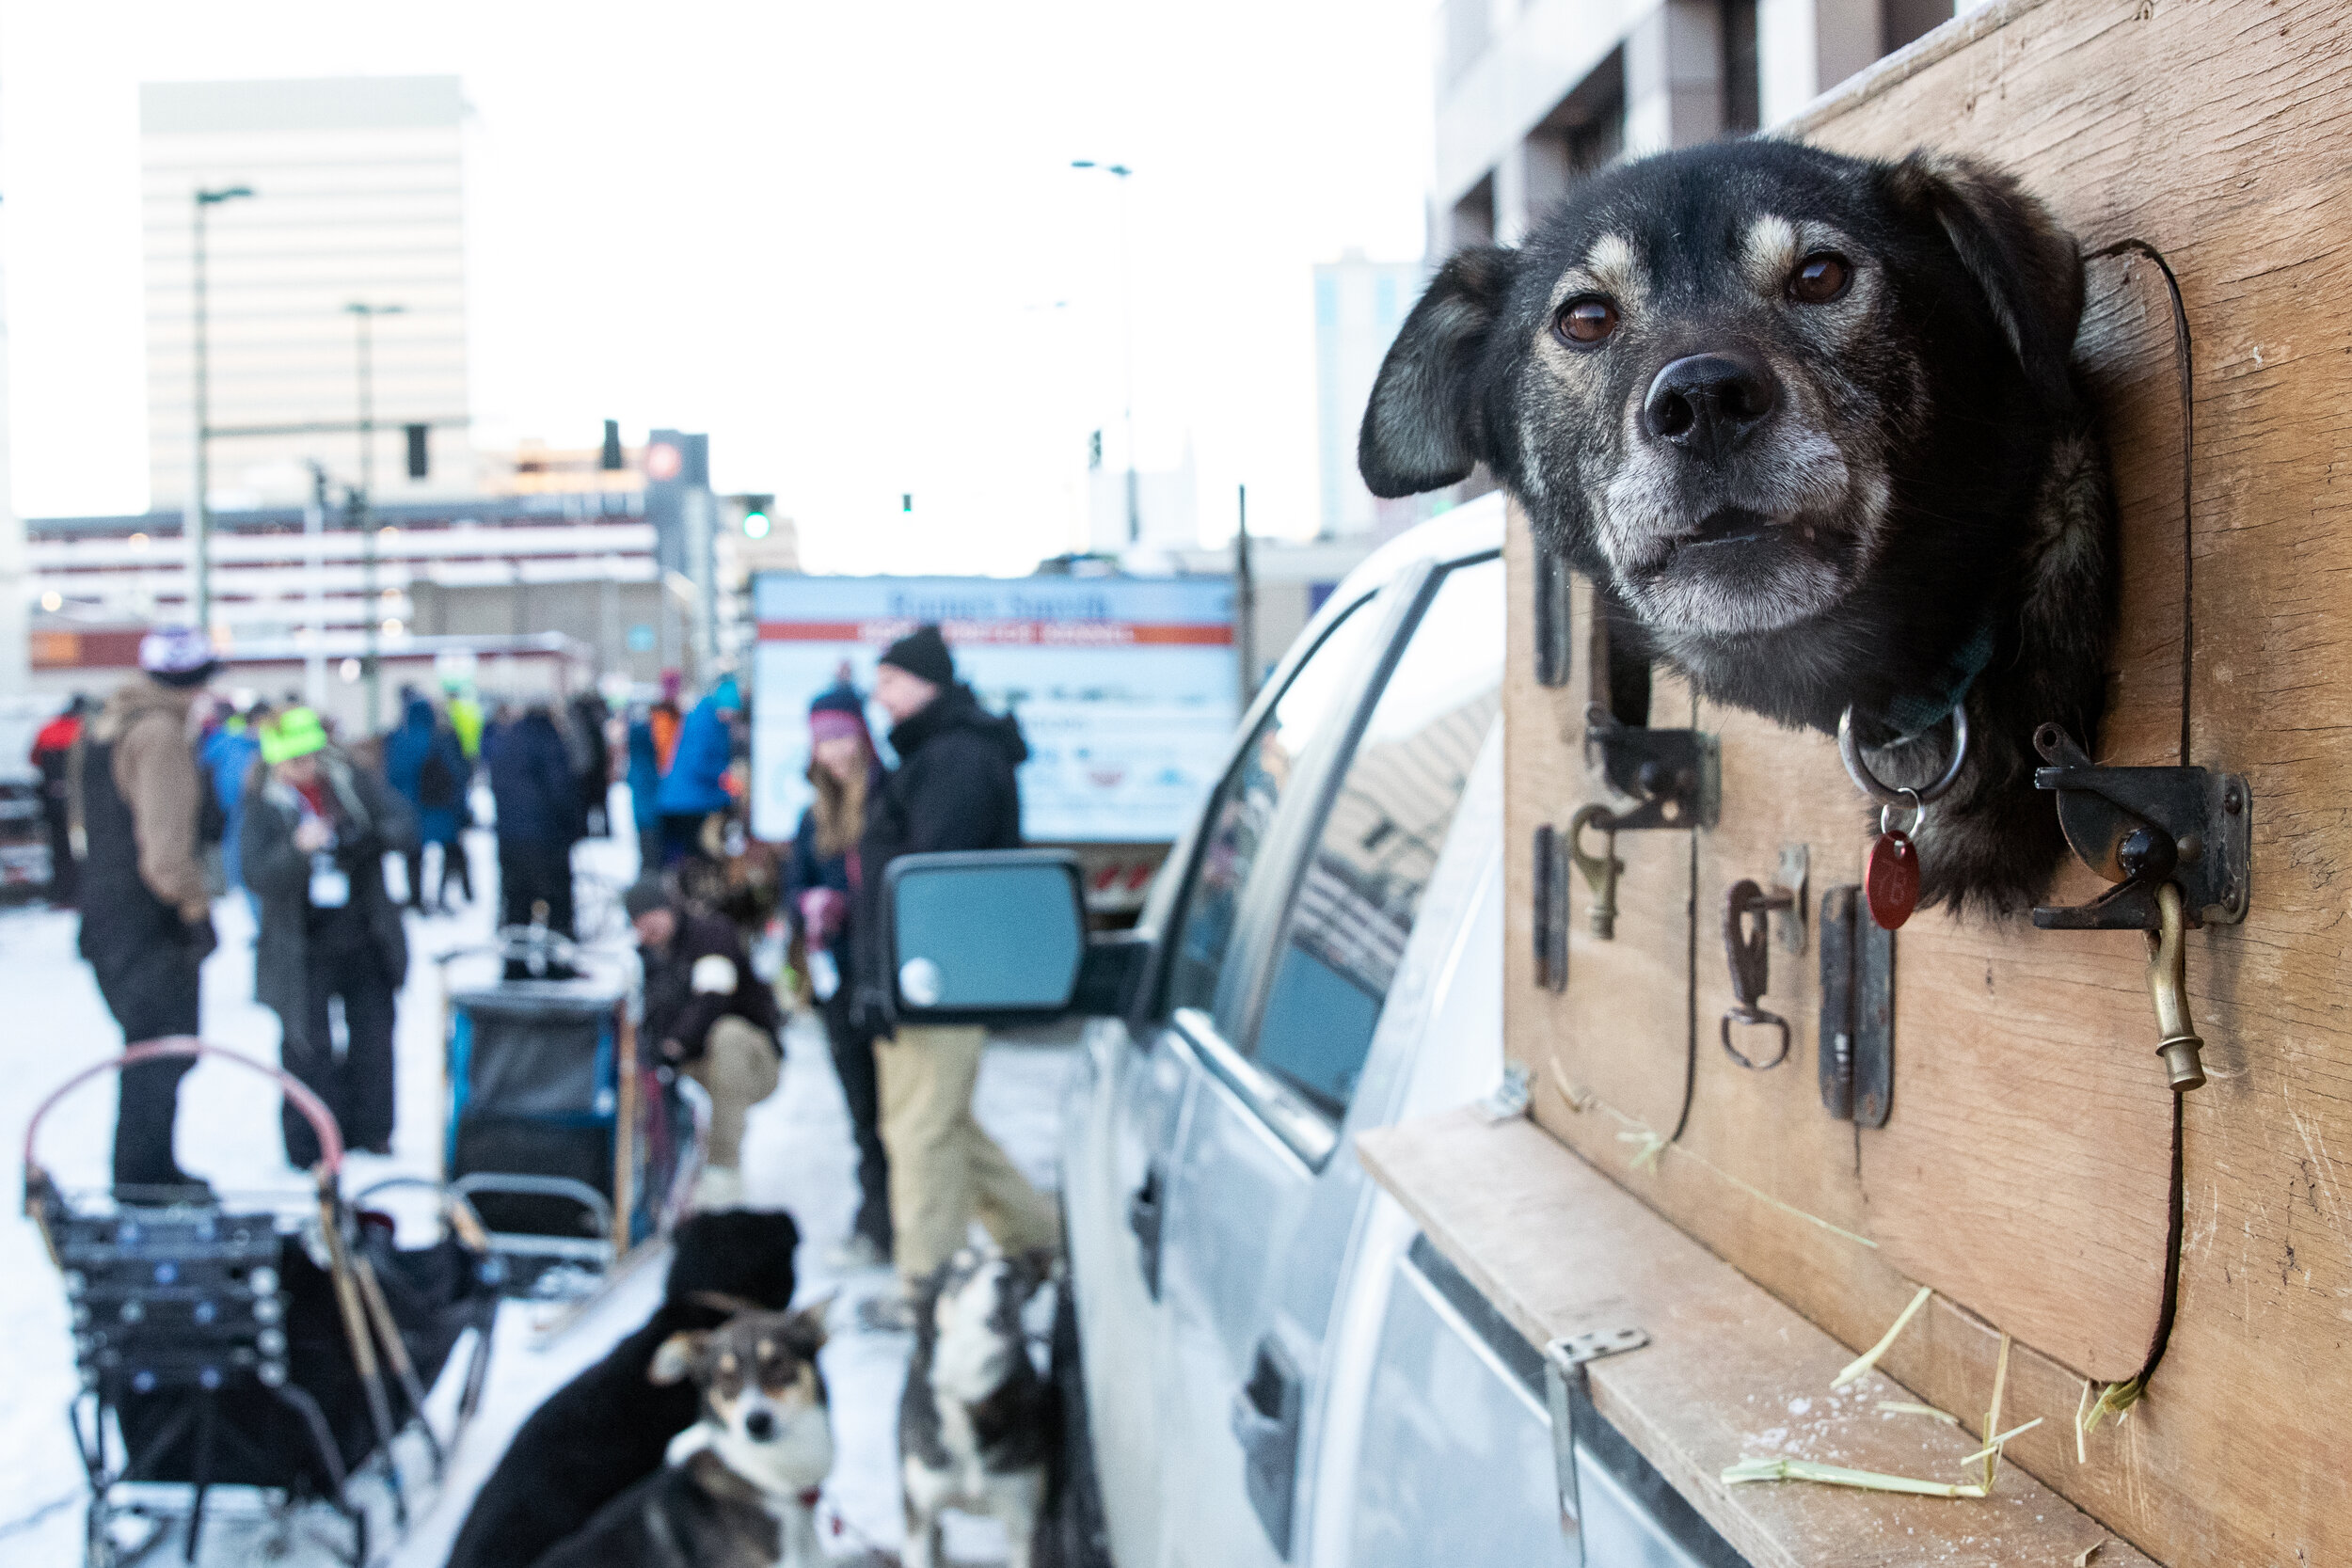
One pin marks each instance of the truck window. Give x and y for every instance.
(1356, 904)
(1244, 806)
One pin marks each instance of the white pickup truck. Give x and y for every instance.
(1276, 1367)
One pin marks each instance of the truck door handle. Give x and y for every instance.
(1143, 1218)
(1265, 1419)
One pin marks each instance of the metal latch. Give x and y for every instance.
(1550, 922)
(1566, 1387)
(2142, 827)
(1552, 616)
(1857, 1055)
(1673, 775)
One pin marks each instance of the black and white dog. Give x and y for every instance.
(977, 1424)
(741, 1488)
(611, 1426)
(1812, 426)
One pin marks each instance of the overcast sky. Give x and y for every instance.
(843, 238)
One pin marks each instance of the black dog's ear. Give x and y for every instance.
(2027, 266)
(1421, 428)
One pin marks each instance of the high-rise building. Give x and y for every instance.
(1533, 94)
(1358, 306)
(358, 191)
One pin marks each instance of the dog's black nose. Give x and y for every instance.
(760, 1425)
(1709, 403)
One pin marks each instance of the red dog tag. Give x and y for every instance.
(1890, 878)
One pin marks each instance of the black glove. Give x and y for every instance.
(201, 937)
(869, 1012)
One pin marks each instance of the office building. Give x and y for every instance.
(1532, 95)
(357, 197)
(1358, 306)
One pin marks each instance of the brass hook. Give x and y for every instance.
(2167, 987)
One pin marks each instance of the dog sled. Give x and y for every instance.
(287, 1350)
(575, 1151)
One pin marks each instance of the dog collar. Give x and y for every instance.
(1912, 715)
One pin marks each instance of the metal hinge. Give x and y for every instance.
(1508, 1101)
(1675, 774)
(2142, 827)
(1565, 1386)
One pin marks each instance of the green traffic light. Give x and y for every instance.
(756, 525)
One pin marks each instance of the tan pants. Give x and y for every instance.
(737, 1068)
(944, 1169)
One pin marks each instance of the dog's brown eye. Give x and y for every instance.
(1587, 318)
(1819, 279)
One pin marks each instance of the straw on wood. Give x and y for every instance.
(1870, 1359)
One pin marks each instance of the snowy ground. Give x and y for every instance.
(797, 1156)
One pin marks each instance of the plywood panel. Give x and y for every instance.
(1623, 1026)
(2022, 1172)
(1729, 1371)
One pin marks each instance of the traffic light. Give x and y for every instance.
(754, 514)
(1095, 450)
(418, 466)
(608, 459)
(906, 501)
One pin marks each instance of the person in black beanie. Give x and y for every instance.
(711, 1018)
(955, 788)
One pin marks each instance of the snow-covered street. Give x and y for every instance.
(798, 1156)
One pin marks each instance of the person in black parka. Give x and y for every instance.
(955, 788)
(539, 818)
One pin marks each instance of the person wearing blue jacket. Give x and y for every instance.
(644, 788)
(539, 818)
(695, 784)
(426, 764)
(229, 753)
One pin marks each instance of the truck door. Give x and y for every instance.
(1135, 1090)
(1260, 1197)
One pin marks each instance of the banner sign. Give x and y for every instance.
(1125, 688)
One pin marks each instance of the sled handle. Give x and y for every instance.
(313, 1109)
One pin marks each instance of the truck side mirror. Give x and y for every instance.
(992, 937)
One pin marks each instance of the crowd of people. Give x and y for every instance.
(164, 797)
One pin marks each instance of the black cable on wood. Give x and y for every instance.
(2183, 369)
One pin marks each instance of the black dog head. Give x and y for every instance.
(743, 1253)
(1808, 422)
(1738, 385)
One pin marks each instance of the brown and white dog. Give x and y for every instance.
(740, 1490)
(977, 1424)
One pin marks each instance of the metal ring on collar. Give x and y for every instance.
(1868, 782)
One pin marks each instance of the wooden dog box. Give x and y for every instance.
(2022, 1167)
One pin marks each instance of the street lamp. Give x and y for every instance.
(1127, 309)
(363, 320)
(200, 513)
